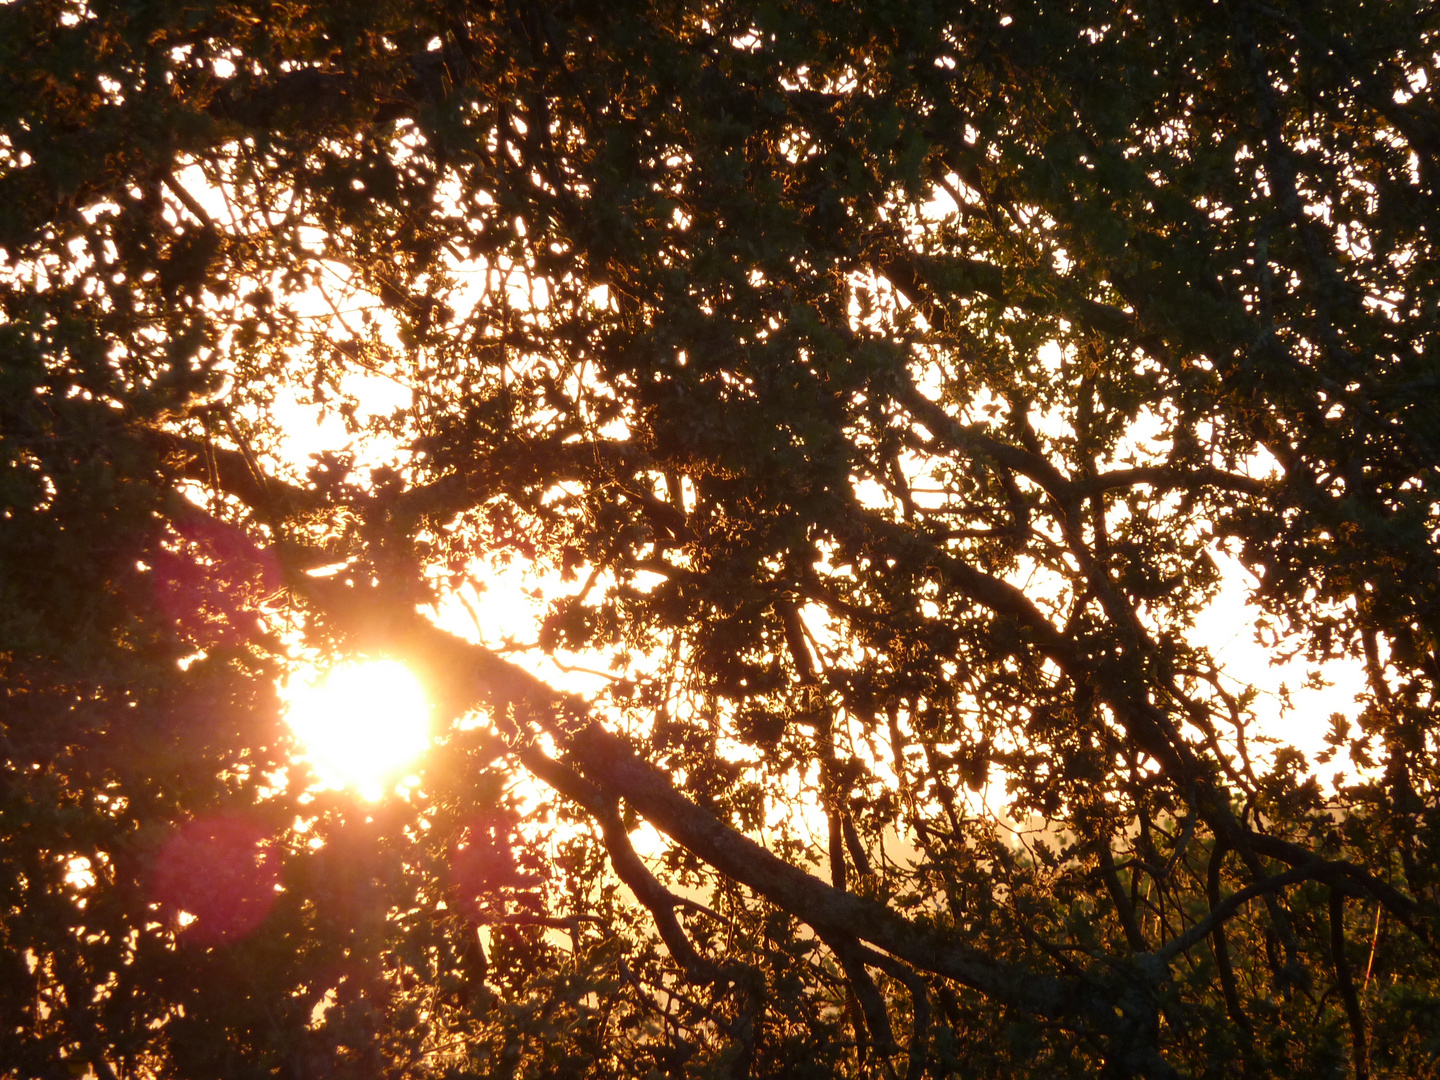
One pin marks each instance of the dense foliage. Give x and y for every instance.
(869, 392)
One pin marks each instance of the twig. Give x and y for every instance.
(1374, 940)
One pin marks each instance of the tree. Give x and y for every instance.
(871, 385)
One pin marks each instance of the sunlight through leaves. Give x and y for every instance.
(360, 724)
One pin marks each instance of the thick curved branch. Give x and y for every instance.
(978, 443)
(659, 900)
(596, 766)
(926, 280)
(1407, 910)
(1220, 913)
(872, 1003)
(1170, 478)
(1123, 908)
(1347, 984)
(1218, 943)
(919, 1007)
(234, 474)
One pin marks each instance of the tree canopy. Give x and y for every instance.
(871, 393)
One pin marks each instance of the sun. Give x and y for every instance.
(361, 723)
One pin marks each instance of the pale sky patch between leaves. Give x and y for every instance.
(502, 605)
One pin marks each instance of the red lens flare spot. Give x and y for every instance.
(222, 873)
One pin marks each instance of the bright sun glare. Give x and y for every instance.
(361, 724)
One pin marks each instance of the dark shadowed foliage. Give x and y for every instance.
(872, 391)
